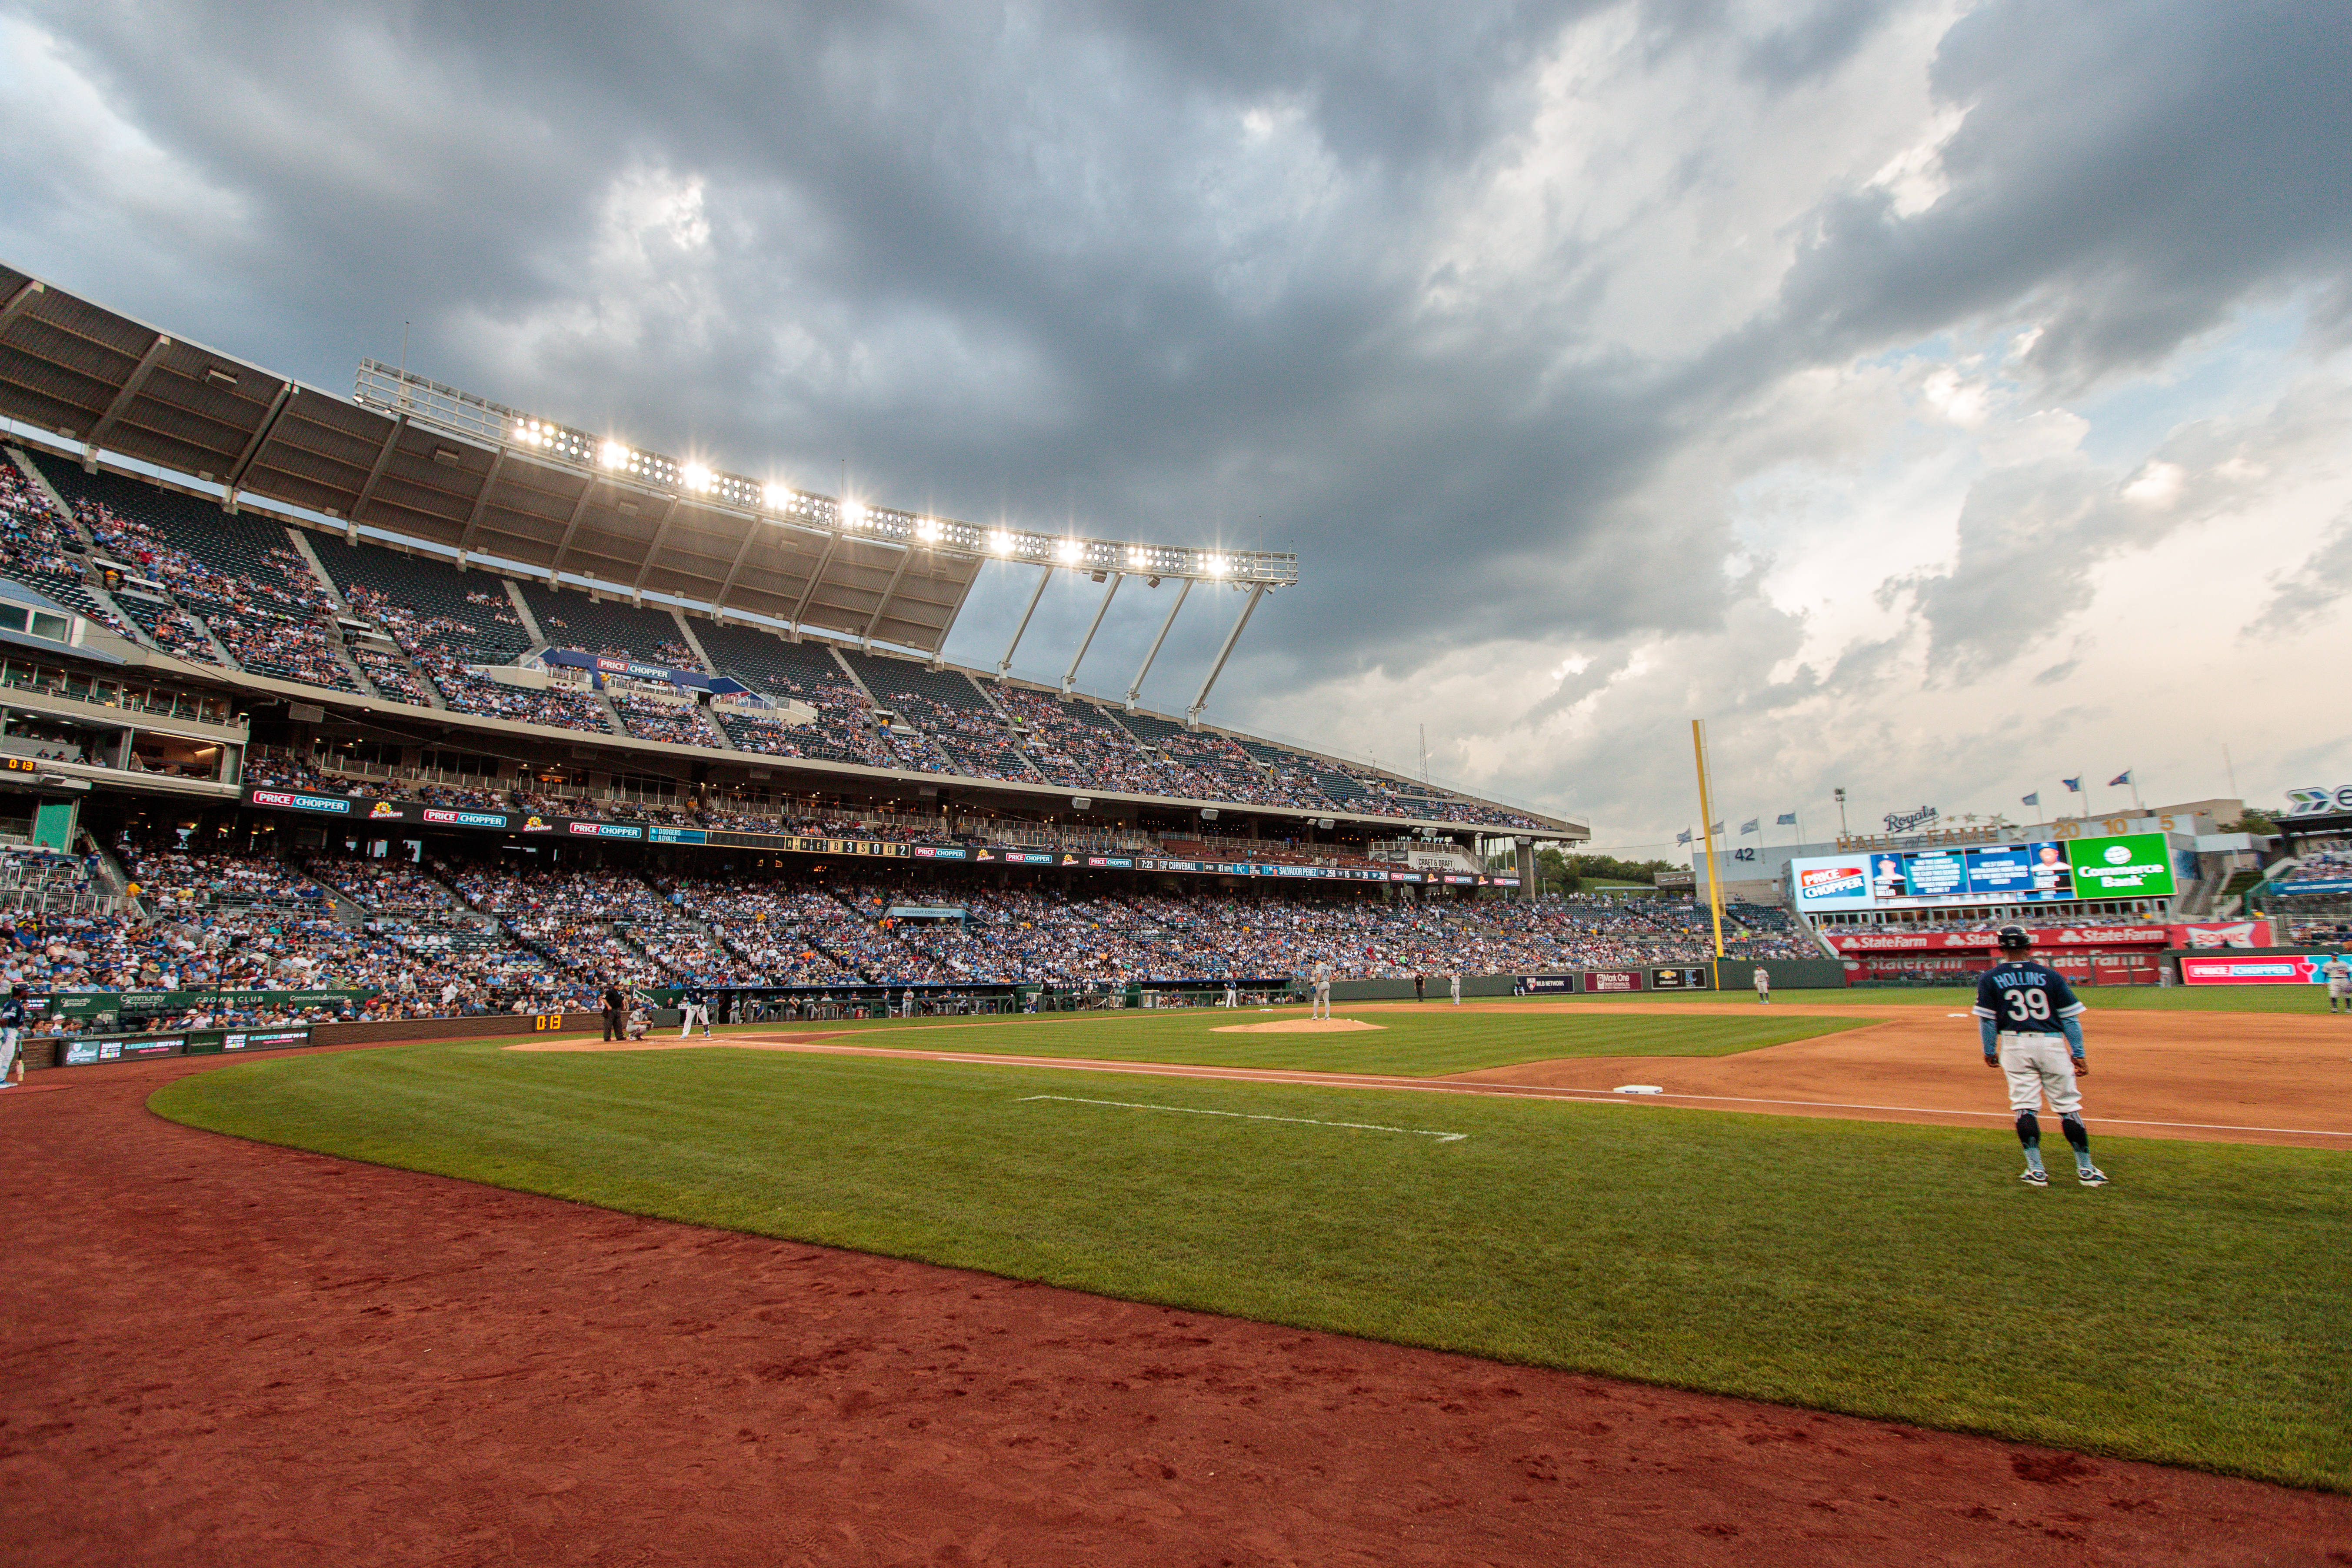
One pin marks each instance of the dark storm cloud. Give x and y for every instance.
(1024, 259)
(2136, 170)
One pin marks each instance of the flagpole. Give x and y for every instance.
(1706, 823)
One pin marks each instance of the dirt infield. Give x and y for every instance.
(1298, 1026)
(2243, 1078)
(229, 1353)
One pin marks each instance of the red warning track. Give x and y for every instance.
(223, 1352)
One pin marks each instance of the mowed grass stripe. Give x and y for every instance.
(2196, 1312)
(1406, 1044)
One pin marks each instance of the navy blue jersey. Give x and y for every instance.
(2023, 997)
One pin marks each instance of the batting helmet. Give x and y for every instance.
(2012, 939)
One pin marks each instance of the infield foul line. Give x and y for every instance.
(1248, 1116)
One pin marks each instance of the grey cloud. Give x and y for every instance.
(2030, 535)
(1821, 37)
(2300, 597)
(1022, 261)
(2134, 170)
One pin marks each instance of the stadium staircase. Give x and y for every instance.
(539, 643)
(687, 635)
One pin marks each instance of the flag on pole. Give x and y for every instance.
(2073, 785)
(1753, 825)
(1787, 819)
(1716, 828)
(2120, 780)
(1684, 836)
(2033, 799)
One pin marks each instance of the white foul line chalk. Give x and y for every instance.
(1246, 1116)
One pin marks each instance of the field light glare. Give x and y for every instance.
(613, 455)
(695, 476)
(928, 530)
(1068, 552)
(775, 498)
(1000, 543)
(853, 514)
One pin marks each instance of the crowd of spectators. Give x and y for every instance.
(390, 675)
(651, 719)
(2319, 865)
(39, 550)
(443, 647)
(272, 618)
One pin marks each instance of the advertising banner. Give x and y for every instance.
(2269, 969)
(1839, 882)
(1601, 979)
(1678, 979)
(1546, 985)
(2134, 866)
(390, 811)
(2221, 933)
(1985, 941)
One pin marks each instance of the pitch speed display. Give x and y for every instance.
(2045, 871)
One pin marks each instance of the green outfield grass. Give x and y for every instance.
(2198, 1311)
(1413, 1045)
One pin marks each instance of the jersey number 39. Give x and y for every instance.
(2025, 1005)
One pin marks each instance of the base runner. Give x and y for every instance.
(2031, 1026)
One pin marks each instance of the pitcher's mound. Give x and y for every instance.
(1295, 1027)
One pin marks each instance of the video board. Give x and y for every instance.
(2040, 871)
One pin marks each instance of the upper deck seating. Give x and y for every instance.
(951, 711)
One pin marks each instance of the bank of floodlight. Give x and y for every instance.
(394, 390)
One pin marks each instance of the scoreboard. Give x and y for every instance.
(2044, 871)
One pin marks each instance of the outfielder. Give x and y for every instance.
(1454, 977)
(2338, 973)
(1763, 986)
(1321, 975)
(2025, 1010)
(692, 1004)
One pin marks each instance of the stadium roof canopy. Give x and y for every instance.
(416, 459)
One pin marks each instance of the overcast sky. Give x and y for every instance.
(1939, 399)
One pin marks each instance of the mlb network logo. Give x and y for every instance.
(1830, 882)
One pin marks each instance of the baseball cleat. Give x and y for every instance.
(2035, 1178)
(2093, 1178)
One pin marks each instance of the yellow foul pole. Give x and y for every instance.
(1714, 863)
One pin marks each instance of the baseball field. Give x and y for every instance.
(1817, 1211)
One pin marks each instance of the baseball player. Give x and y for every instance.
(2025, 1011)
(1321, 975)
(1454, 978)
(2338, 973)
(12, 1032)
(1763, 986)
(692, 1003)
